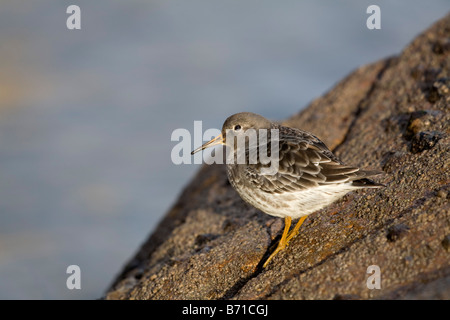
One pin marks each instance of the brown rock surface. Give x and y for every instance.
(392, 115)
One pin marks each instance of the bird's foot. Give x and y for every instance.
(281, 246)
(286, 237)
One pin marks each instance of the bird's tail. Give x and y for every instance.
(361, 182)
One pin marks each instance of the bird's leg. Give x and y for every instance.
(282, 243)
(295, 230)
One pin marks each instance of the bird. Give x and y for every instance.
(308, 176)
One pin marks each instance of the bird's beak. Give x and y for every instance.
(214, 142)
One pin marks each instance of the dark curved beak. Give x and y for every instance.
(214, 142)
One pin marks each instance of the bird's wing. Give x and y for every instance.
(304, 162)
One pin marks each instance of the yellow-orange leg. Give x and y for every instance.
(296, 228)
(286, 237)
(282, 243)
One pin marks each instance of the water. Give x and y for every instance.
(86, 116)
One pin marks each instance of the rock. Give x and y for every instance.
(392, 115)
(425, 140)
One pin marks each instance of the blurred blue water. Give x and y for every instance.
(86, 116)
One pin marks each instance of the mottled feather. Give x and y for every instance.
(304, 162)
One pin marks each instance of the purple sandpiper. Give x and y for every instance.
(308, 176)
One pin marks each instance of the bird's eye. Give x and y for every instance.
(237, 127)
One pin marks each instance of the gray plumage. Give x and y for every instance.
(306, 177)
(309, 175)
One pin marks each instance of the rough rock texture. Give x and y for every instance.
(393, 115)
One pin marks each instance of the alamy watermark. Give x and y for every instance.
(373, 22)
(73, 22)
(374, 280)
(74, 280)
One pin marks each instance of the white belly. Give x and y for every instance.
(296, 204)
